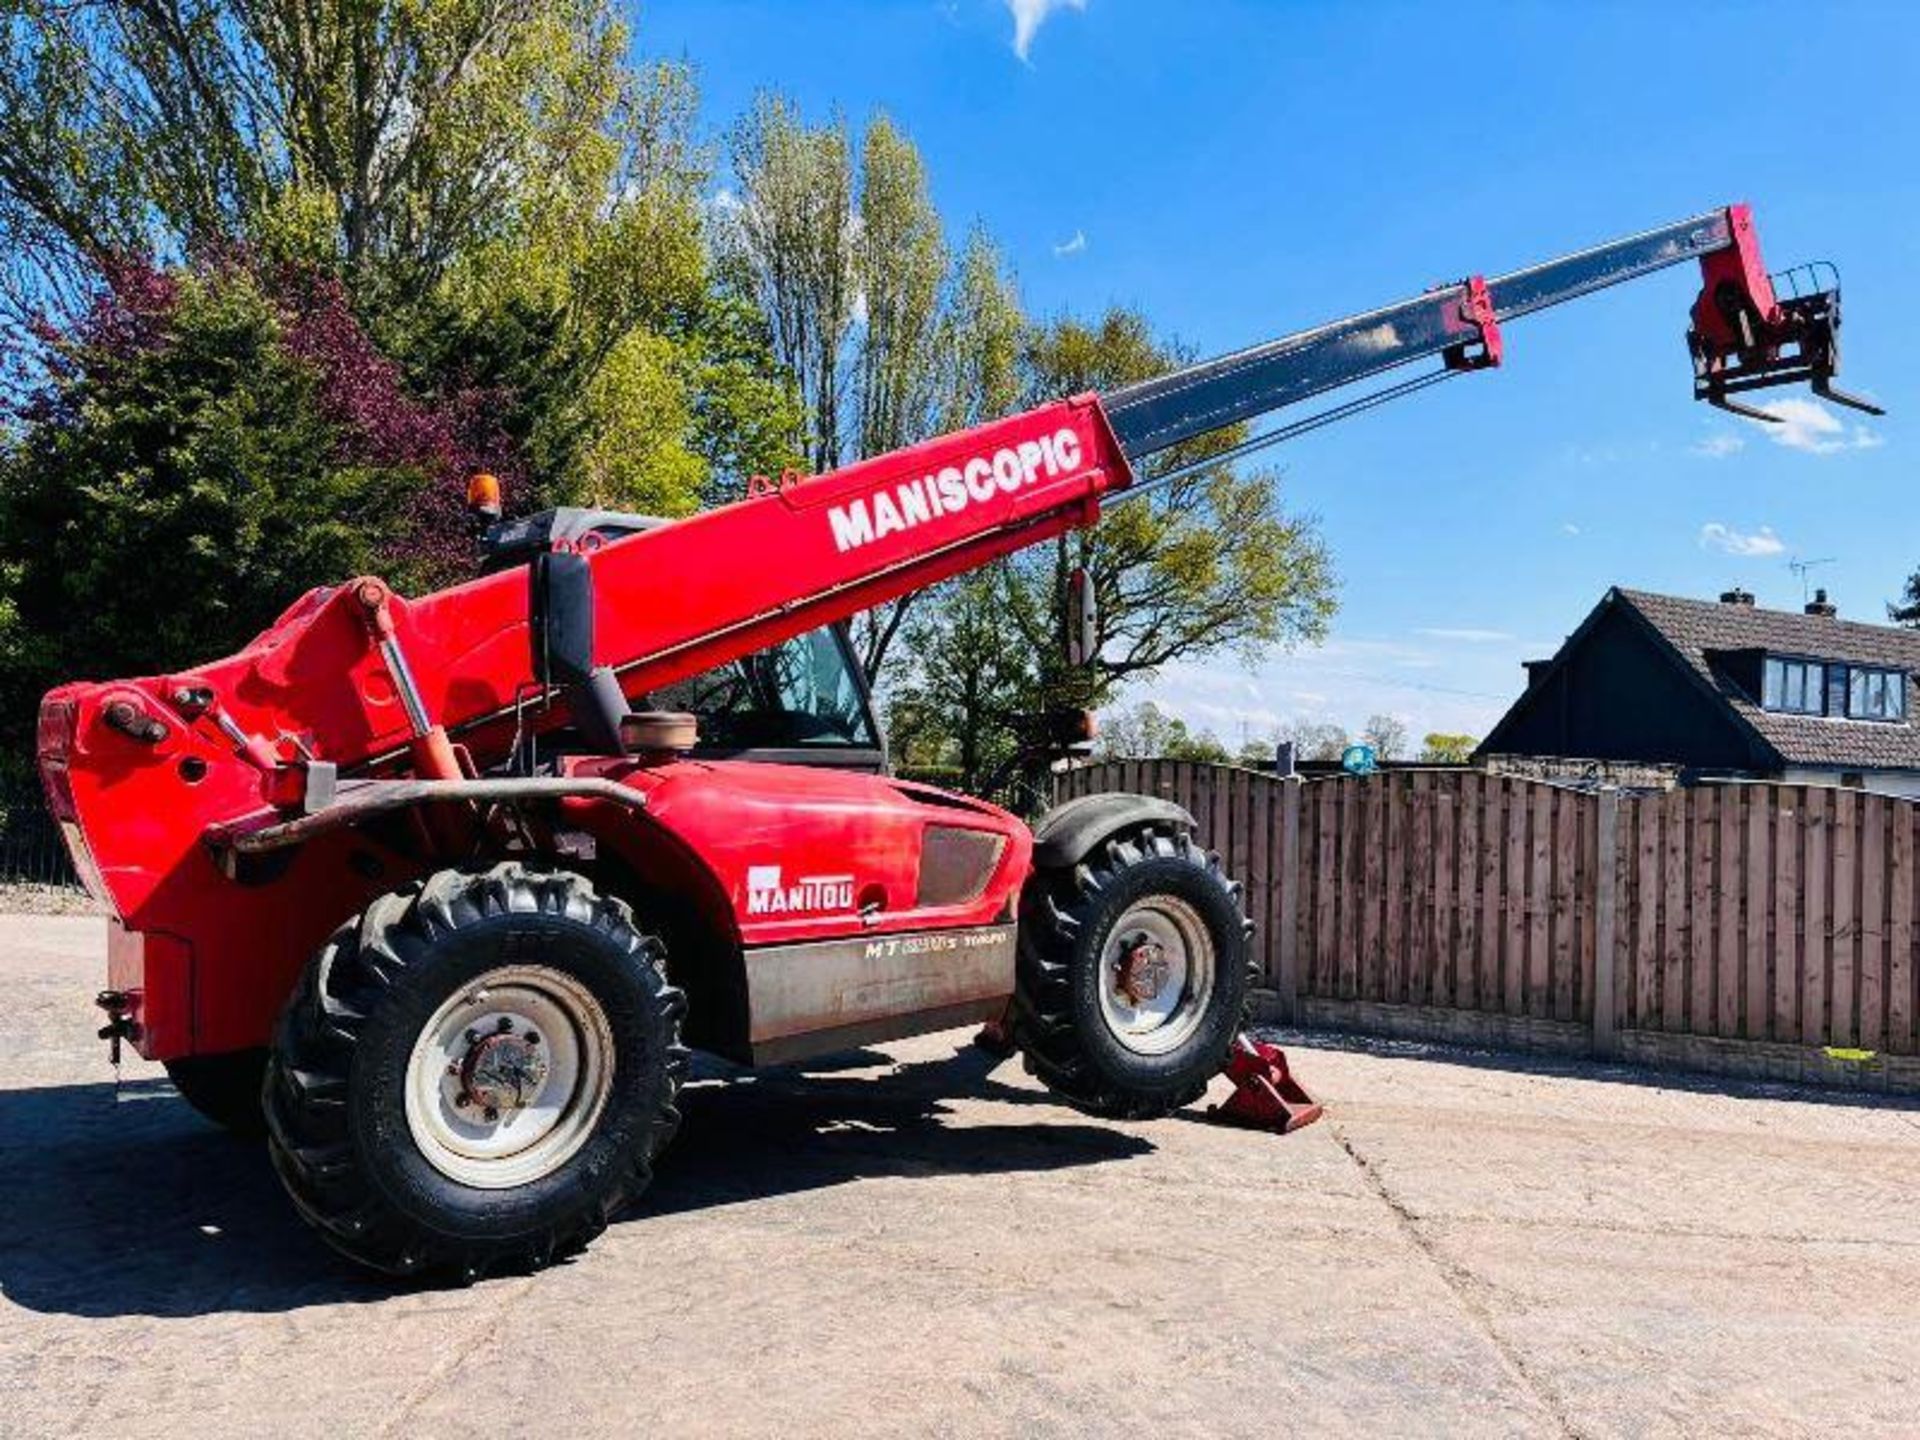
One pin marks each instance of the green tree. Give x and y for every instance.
(887, 337)
(1906, 610)
(951, 709)
(395, 136)
(175, 484)
(1255, 753)
(1442, 748)
(510, 204)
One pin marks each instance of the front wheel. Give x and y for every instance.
(476, 1073)
(1133, 975)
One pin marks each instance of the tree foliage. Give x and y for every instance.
(1386, 735)
(284, 272)
(394, 137)
(888, 337)
(1906, 610)
(1316, 739)
(195, 459)
(1443, 748)
(508, 204)
(1146, 732)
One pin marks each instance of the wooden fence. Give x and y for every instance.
(1773, 916)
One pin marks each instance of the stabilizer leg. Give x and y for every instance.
(1265, 1094)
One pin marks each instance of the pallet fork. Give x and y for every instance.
(1753, 331)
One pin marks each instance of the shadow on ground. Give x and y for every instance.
(124, 1202)
(1575, 1067)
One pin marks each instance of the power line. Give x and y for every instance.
(1413, 685)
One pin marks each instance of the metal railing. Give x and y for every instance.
(31, 850)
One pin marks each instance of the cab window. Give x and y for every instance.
(799, 694)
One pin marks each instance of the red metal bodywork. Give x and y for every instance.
(1732, 280)
(207, 961)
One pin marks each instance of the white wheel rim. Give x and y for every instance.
(509, 1077)
(1154, 1018)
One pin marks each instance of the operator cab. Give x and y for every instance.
(805, 701)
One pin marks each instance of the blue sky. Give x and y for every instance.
(1241, 168)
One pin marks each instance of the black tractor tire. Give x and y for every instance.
(224, 1088)
(344, 1066)
(1068, 918)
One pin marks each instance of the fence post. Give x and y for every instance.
(1286, 950)
(1605, 912)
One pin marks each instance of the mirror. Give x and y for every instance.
(560, 618)
(1083, 619)
(1068, 731)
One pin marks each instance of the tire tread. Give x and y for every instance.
(1060, 908)
(305, 1091)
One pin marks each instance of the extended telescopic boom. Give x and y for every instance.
(1744, 336)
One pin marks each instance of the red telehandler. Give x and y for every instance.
(442, 889)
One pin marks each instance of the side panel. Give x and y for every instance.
(833, 994)
(805, 855)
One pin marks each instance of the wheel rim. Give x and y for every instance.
(1156, 975)
(509, 1077)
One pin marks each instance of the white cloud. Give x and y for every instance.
(1073, 246)
(1809, 426)
(1465, 635)
(1567, 527)
(1717, 447)
(1030, 15)
(1729, 541)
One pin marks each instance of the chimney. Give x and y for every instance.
(1822, 606)
(1737, 596)
(1536, 670)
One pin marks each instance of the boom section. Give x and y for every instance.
(668, 603)
(1449, 322)
(801, 553)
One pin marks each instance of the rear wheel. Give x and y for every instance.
(476, 1074)
(1133, 975)
(223, 1088)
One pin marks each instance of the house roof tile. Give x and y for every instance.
(1700, 629)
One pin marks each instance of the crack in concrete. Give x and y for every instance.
(1462, 1284)
(1667, 1232)
(436, 1378)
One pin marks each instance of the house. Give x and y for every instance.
(1726, 690)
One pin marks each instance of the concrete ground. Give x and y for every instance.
(915, 1241)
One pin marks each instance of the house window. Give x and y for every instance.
(1798, 687)
(1876, 694)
